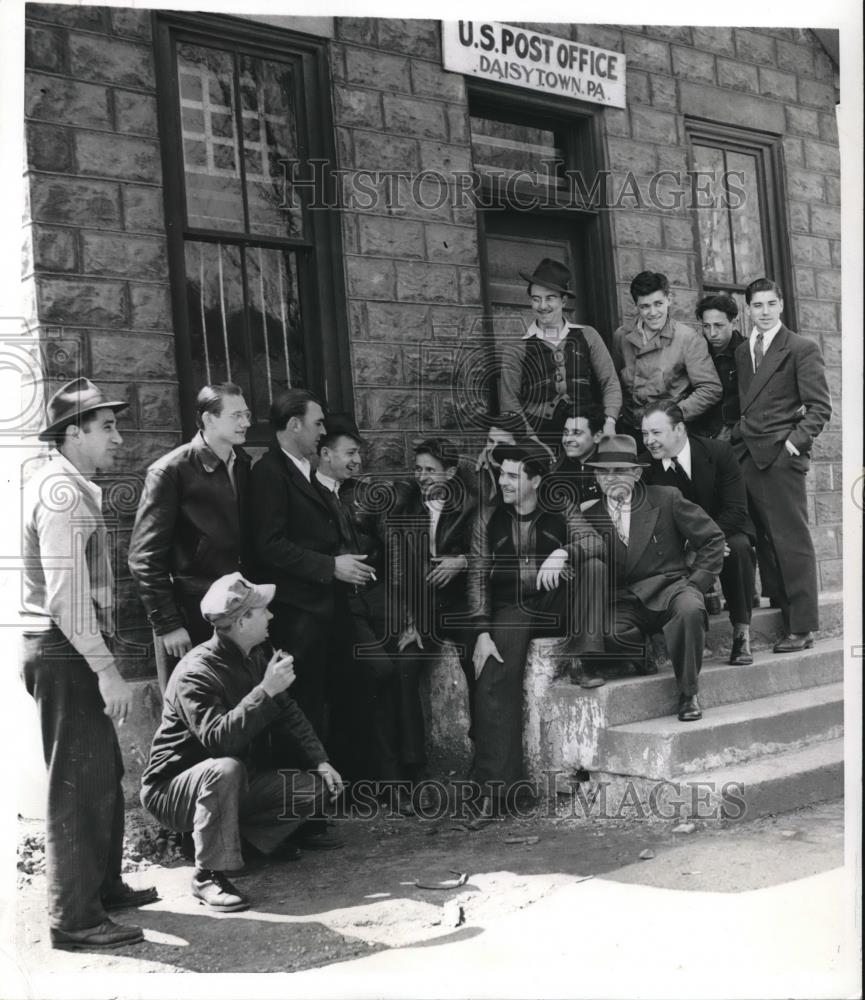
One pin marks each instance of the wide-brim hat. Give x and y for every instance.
(522, 451)
(72, 401)
(616, 451)
(551, 274)
(231, 596)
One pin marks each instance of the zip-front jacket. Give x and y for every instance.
(503, 572)
(189, 529)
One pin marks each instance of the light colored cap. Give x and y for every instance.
(231, 596)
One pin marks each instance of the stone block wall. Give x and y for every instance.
(411, 254)
(95, 264)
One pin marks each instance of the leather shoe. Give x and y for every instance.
(689, 708)
(740, 654)
(216, 891)
(121, 895)
(794, 643)
(104, 935)
(648, 665)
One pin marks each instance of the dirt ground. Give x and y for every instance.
(332, 906)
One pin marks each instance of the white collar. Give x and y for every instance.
(326, 481)
(542, 334)
(301, 463)
(767, 336)
(683, 458)
(58, 458)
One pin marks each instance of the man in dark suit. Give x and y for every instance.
(296, 542)
(191, 524)
(707, 473)
(430, 534)
(785, 403)
(645, 531)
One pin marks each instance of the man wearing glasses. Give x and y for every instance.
(189, 527)
(557, 365)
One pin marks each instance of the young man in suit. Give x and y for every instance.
(297, 545)
(708, 474)
(645, 530)
(785, 403)
(191, 524)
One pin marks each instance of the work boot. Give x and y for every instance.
(214, 889)
(104, 935)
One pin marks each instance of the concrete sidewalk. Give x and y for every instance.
(599, 938)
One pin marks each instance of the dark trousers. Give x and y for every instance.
(308, 638)
(220, 802)
(199, 631)
(684, 624)
(363, 697)
(737, 578)
(499, 689)
(410, 664)
(84, 823)
(780, 511)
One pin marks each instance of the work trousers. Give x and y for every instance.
(199, 631)
(84, 816)
(220, 803)
(684, 623)
(737, 578)
(779, 509)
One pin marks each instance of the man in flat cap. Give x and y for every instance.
(212, 768)
(557, 364)
(70, 672)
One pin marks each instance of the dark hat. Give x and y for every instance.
(616, 451)
(337, 424)
(72, 401)
(551, 274)
(231, 596)
(523, 451)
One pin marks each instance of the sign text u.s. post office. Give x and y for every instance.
(525, 58)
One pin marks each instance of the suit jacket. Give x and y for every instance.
(189, 530)
(664, 524)
(717, 484)
(295, 534)
(786, 398)
(408, 525)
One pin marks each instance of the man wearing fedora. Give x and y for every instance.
(533, 572)
(215, 767)
(653, 587)
(70, 672)
(557, 364)
(189, 529)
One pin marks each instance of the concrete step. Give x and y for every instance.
(741, 791)
(666, 748)
(631, 699)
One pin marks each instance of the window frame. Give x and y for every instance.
(319, 258)
(585, 153)
(768, 150)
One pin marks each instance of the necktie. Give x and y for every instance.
(343, 517)
(619, 523)
(758, 350)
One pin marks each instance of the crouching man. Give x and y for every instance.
(211, 769)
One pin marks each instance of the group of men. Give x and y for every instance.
(294, 605)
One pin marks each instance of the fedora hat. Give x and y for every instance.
(551, 274)
(72, 401)
(616, 451)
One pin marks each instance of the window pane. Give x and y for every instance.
(267, 93)
(505, 148)
(214, 295)
(712, 216)
(276, 328)
(211, 157)
(746, 220)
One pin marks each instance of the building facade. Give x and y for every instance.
(320, 202)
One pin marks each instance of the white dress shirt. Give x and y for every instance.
(434, 507)
(768, 337)
(302, 464)
(683, 458)
(331, 485)
(625, 508)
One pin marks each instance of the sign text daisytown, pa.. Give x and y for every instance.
(525, 58)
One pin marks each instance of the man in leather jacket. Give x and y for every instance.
(189, 529)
